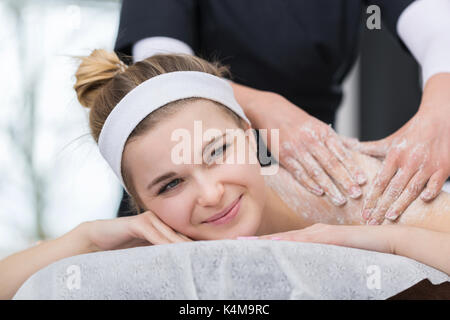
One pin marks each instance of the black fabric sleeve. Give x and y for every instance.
(141, 19)
(390, 12)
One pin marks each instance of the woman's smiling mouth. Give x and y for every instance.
(227, 214)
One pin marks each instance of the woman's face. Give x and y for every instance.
(211, 179)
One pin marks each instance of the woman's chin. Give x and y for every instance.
(243, 222)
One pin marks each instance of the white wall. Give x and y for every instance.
(347, 119)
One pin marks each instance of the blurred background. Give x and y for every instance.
(52, 175)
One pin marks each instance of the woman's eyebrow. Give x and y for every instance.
(161, 178)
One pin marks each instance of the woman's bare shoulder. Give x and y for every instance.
(308, 206)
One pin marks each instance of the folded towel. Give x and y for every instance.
(229, 269)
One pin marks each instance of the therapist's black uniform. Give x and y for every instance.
(301, 49)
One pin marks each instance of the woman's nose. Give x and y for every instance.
(210, 194)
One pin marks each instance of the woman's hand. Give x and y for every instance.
(417, 156)
(426, 246)
(126, 232)
(375, 238)
(99, 235)
(309, 149)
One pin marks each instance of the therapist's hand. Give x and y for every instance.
(141, 230)
(310, 150)
(416, 157)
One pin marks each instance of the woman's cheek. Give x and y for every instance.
(175, 211)
(249, 176)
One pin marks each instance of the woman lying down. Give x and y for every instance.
(147, 120)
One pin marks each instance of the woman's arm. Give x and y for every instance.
(17, 268)
(429, 247)
(426, 246)
(99, 235)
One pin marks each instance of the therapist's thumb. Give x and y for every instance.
(378, 148)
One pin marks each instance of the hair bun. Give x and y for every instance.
(94, 72)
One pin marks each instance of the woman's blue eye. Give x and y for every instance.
(172, 184)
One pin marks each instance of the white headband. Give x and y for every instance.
(153, 94)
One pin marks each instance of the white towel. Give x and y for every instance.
(229, 269)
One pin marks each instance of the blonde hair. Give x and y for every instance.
(102, 80)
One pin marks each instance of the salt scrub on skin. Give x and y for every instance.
(344, 156)
(401, 145)
(393, 191)
(288, 149)
(418, 156)
(314, 209)
(298, 171)
(302, 202)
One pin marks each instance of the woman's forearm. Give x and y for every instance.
(17, 268)
(426, 246)
(429, 247)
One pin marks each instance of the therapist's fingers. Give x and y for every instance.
(434, 186)
(317, 177)
(335, 169)
(300, 174)
(391, 194)
(377, 148)
(411, 192)
(316, 173)
(350, 142)
(378, 186)
(341, 152)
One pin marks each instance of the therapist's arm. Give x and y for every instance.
(309, 148)
(417, 156)
(148, 47)
(251, 100)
